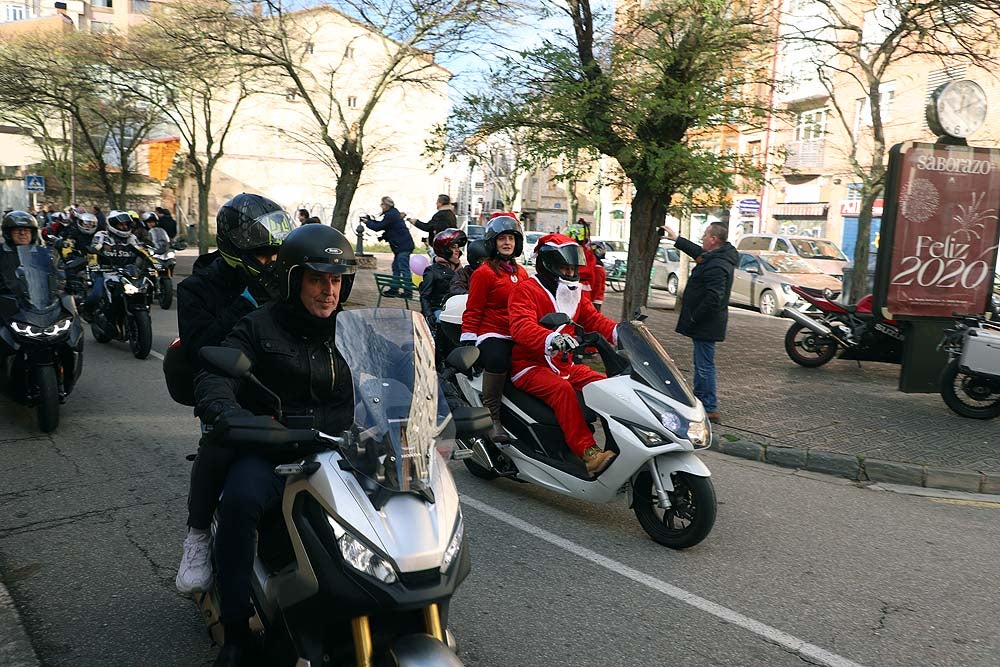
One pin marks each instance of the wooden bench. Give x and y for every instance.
(394, 287)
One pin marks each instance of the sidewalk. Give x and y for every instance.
(838, 419)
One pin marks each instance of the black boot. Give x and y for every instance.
(238, 650)
(492, 399)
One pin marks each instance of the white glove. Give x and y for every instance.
(562, 343)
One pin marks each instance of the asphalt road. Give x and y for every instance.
(799, 568)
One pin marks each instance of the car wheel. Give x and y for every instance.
(768, 303)
(672, 282)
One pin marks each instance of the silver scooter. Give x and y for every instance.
(359, 566)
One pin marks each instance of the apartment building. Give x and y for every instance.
(86, 15)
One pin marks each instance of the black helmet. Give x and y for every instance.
(505, 222)
(319, 248)
(599, 249)
(19, 220)
(120, 224)
(476, 252)
(248, 224)
(557, 251)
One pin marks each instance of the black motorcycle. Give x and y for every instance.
(41, 339)
(161, 263)
(970, 383)
(123, 311)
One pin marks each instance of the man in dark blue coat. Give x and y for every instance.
(705, 306)
(396, 234)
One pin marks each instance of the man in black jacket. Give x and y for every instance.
(444, 218)
(291, 346)
(705, 306)
(395, 233)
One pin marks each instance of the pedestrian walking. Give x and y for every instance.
(395, 233)
(705, 305)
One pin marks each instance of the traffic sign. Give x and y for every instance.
(749, 206)
(34, 183)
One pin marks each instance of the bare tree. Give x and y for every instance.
(852, 50)
(199, 90)
(52, 134)
(637, 90)
(412, 33)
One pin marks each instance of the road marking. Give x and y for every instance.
(154, 353)
(967, 503)
(798, 646)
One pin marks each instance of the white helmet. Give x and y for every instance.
(87, 223)
(120, 224)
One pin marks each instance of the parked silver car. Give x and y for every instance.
(764, 280)
(821, 254)
(667, 269)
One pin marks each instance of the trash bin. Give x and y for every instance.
(192, 233)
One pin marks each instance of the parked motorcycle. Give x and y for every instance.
(645, 411)
(360, 564)
(41, 339)
(123, 311)
(970, 383)
(853, 330)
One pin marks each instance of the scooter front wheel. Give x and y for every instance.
(690, 517)
(48, 397)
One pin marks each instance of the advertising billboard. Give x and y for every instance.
(939, 233)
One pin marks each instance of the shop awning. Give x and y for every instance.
(801, 210)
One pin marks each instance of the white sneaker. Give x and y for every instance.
(195, 573)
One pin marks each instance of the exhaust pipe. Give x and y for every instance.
(813, 325)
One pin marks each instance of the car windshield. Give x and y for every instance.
(817, 249)
(786, 264)
(399, 407)
(615, 246)
(651, 364)
(475, 231)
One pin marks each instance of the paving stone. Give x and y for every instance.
(894, 472)
(842, 465)
(789, 457)
(956, 480)
(742, 449)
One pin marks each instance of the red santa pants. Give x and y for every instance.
(560, 395)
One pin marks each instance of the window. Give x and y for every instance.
(748, 263)
(291, 94)
(953, 13)
(349, 53)
(140, 6)
(810, 125)
(14, 13)
(780, 245)
(310, 47)
(98, 27)
(863, 118)
(352, 102)
(106, 4)
(755, 243)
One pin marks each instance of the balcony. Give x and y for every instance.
(805, 155)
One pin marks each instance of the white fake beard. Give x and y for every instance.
(568, 297)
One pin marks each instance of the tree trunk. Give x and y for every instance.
(859, 280)
(347, 185)
(203, 235)
(648, 213)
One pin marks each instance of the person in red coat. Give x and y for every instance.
(485, 322)
(600, 283)
(591, 281)
(540, 366)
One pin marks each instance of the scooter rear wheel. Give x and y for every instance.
(690, 517)
(805, 347)
(968, 396)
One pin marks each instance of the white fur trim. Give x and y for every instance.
(468, 336)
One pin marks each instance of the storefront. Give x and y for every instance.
(802, 219)
(849, 211)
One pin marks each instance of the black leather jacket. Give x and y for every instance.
(307, 373)
(209, 304)
(435, 287)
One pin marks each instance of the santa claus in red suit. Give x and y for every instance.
(538, 366)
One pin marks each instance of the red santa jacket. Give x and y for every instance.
(529, 302)
(486, 309)
(587, 277)
(600, 283)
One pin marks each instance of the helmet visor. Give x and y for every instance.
(267, 230)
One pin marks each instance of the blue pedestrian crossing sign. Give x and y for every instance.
(34, 183)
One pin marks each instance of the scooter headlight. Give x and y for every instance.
(130, 288)
(695, 432)
(360, 557)
(454, 546)
(31, 331)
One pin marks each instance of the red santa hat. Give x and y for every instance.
(554, 241)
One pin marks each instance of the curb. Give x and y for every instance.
(859, 468)
(15, 648)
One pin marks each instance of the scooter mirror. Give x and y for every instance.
(462, 358)
(554, 320)
(226, 361)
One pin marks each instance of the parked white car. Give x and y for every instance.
(667, 269)
(821, 254)
(617, 249)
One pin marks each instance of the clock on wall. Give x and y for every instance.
(956, 109)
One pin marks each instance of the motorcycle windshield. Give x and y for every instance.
(651, 364)
(399, 408)
(34, 278)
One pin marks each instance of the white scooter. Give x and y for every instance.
(645, 412)
(359, 565)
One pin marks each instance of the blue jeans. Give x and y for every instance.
(704, 374)
(96, 291)
(251, 488)
(401, 267)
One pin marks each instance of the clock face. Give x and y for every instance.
(959, 107)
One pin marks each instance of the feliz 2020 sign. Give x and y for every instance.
(941, 243)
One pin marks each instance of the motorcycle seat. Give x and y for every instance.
(537, 409)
